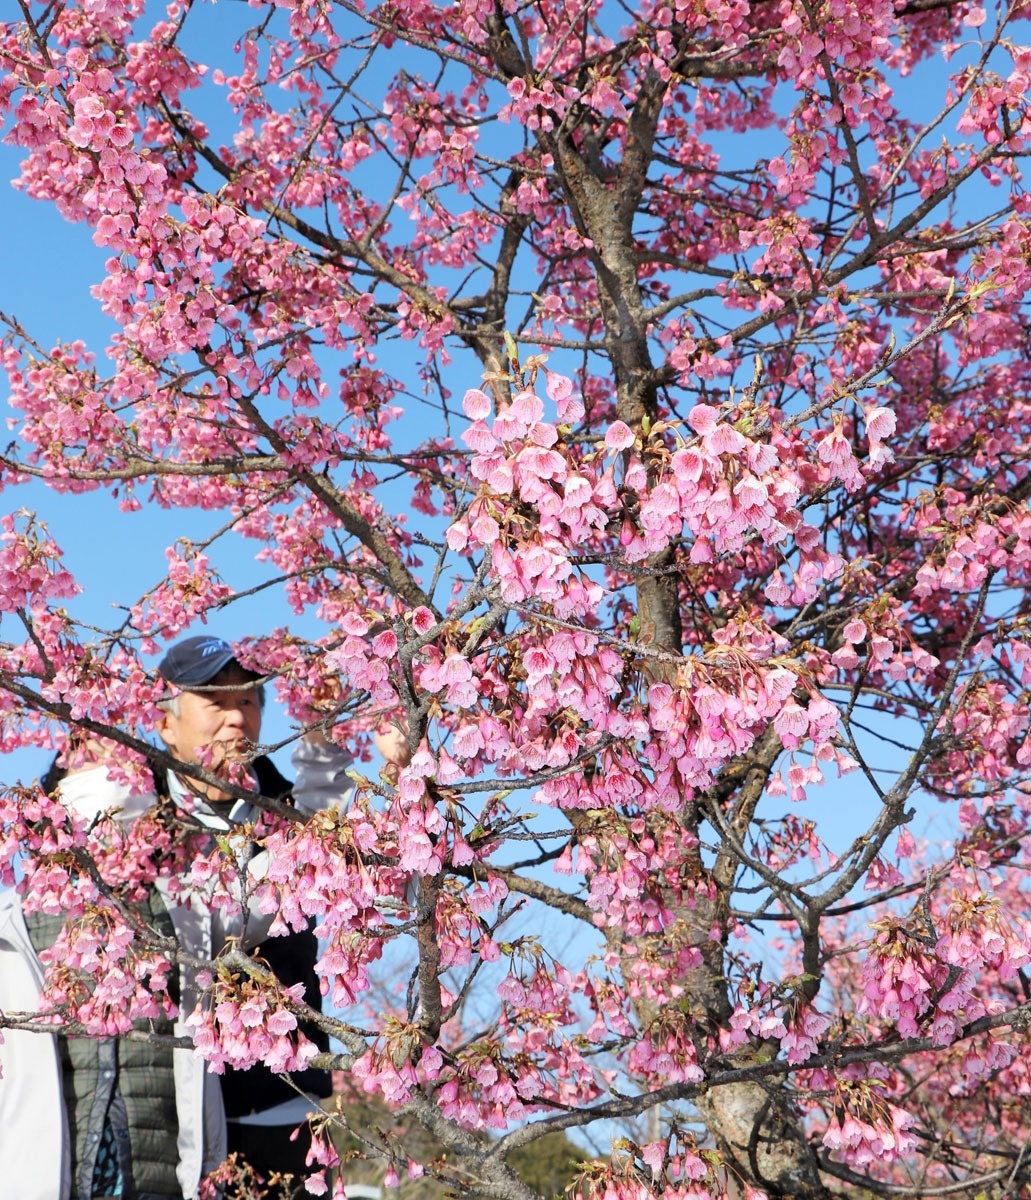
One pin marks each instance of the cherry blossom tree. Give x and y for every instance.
(633, 403)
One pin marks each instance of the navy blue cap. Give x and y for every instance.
(195, 661)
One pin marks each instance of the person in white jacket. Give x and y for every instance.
(45, 1147)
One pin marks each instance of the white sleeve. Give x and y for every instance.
(35, 1155)
(91, 792)
(321, 776)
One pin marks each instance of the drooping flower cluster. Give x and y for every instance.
(240, 1022)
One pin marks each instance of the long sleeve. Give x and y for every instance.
(92, 792)
(321, 776)
(35, 1162)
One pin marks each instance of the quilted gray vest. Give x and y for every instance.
(120, 1086)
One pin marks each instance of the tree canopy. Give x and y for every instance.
(632, 402)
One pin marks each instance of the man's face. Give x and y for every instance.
(214, 727)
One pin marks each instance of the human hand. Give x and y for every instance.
(84, 753)
(392, 743)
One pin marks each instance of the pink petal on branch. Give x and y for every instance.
(477, 405)
(619, 436)
(880, 423)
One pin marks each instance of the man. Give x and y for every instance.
(216, 719)
(144, 1122)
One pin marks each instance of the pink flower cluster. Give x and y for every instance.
(721, 486)
(239, 1021)
(860, 1143)
(31, 570)
(97, 975)
(797, 1027)
(931, 986)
